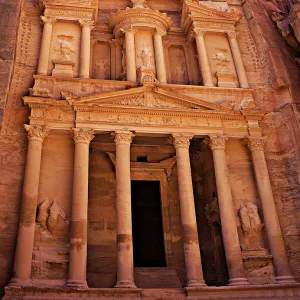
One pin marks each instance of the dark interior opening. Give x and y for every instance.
(147, 229)
(142, 159)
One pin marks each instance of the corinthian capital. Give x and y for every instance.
(255, 143)
(123, 137)
(83, 135)
(217, 142)
(48, 20)
(199, 32)
(87, 23)
(181, 140)
(231, 34)
(36, 132)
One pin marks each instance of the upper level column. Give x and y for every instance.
(85, 54)
(203, 58)
(228, 219)
(159, 57)
(276, 243)
(25, 239)
(130, 54)
(238, 61)
(78, 236)
(45, 45)
(192, 256)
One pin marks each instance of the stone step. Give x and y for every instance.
(147, 278)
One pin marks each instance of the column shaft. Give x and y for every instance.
(125, 273)
(159, 59)
(192, 255)
(45, 45)
(130, 56)
(25, 239)
(203, 59)
(118, 59)
(113, 59)
(85, 53)
(78, 236)
(276, 243)
(238, 61)
(227, 214)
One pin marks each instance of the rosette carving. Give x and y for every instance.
(36, 132)
(83, 135)
(181, 140)
(123, 137)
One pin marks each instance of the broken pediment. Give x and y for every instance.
(146, 97)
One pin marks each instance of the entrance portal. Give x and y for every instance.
(147, 229)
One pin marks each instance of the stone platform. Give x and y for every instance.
(261, 292)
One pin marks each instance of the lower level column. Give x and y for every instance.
(192, 255)
(125, 272)
(228, 219)
(25, 239)
(276, 243)
(78, 236)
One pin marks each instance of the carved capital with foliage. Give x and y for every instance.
(181, 140)
(123, 137)
(83, 136)
(217, 142)
(48, 20)
(255, 143)
(36, 132)
(87, 23)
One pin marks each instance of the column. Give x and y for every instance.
(125, 272)
(45, 45)
(85, 50)
(130, 55)
(166, 45)
(192, 256)
(25, 239)
(119, 70)
(238, 61)
(272, 225)
(203, 58)
(78, 235)
(227, 213)
(159, 58)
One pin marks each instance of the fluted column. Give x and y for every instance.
(130, 54)
(159, 58)
(25, 239)
(276, 243)
(78, 236)
(192, 256)
(45, 45)
(227, 213)
(85, 53)
(125, 274)
(203, 58)
(238, 61)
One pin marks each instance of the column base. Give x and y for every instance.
(19, 282)
(285, 279)
(196, 283)
(125, 284)
(238, 281)
(80, 284)
(209, 85)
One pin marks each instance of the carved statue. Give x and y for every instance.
(65, 49)
(138, 3)
(124, 61)
(49, 215)
(146, 57)
(251, 224)
(221, 59)
(179, 70)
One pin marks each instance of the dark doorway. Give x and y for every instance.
(147, 230)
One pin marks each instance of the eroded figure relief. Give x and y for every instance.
(51, 217)
(102, 68)
(124, 61)
(146, 57)
(64, 47)
(221, 59)
(138, 3)
(251, 225)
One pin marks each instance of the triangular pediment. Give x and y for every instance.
(145, 97)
